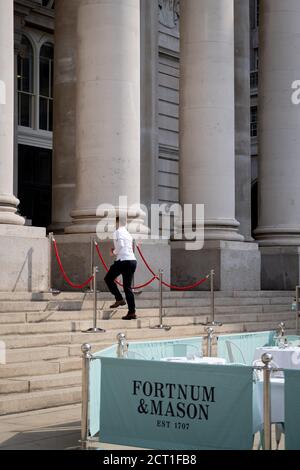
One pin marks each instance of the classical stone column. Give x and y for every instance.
(108, 135)
(207, 146)
(64, 144)
(8, 202)
(242, 117)
(279, 142)
(149, 102)
(207, 113)
(108, 108)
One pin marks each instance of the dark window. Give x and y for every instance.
(254, 119)
(46, 87)
(254, 13)
(25, 83)
(35, 184)
(254, 206)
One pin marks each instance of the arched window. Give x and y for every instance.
(25, 84)
(46, 87)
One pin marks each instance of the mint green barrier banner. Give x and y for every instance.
(292, 409)
(240, 348)
(151, 350)
(162, 405)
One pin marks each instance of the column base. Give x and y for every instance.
(8, 209)
(89, 221)
(278, 236)
(24, 259)
(237, 265)
(280, 267)
(75, 253)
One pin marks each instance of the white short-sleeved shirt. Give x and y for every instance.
(123, 245)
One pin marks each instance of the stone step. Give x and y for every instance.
(102, 340)
(16, 332)
(40, 334)
(7, 320)
(67, 302)
(12, 317)
(86, 315)
(21, 369)
(21, 402)
(44, 382)
(16, 385)
(15, 356)
(80, 296)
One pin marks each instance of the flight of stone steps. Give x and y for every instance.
(43, 334)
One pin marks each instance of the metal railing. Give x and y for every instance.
(122, 350)
(161, 325)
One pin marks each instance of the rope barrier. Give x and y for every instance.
(154, 278)
(117, 282)
(193, 286)
(170, 286)
(66, 278)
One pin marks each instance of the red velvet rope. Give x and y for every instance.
(155, 277)
(117, 282)
(75, 286)
(170, 286)
(193, 286)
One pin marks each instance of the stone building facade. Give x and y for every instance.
(155, 100)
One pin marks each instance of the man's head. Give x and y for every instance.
(122, 218)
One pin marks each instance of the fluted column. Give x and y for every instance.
(64, 144)
(108, 108)
(207, 114)
(242, 117)
(8, 202)
(279, 124)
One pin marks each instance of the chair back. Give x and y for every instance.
(235, 354)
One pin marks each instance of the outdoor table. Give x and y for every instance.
(277, 402)
(197, 360)
(284, 358)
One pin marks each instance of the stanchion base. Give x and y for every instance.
(137, 292)
(161, 327)
(212, 323)
(54, 291)
(94, 330)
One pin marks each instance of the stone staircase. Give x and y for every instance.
(43, 334)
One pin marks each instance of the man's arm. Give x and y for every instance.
(118, 244)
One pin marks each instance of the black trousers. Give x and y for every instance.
(127, 269)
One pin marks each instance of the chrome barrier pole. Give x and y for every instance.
(210, 334)
(212, 321)
(50, 240)
(95, 329)
(122, 348)
(135, 291)
(86, 358)
(266, 359)
(297, 309)
(161, 326)
(92, 261)
(212, 299)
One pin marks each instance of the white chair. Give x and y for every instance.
(235, 354)
(185, 349)
(136, 355)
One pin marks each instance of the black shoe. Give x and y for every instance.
(129, 316)
(118, 303)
